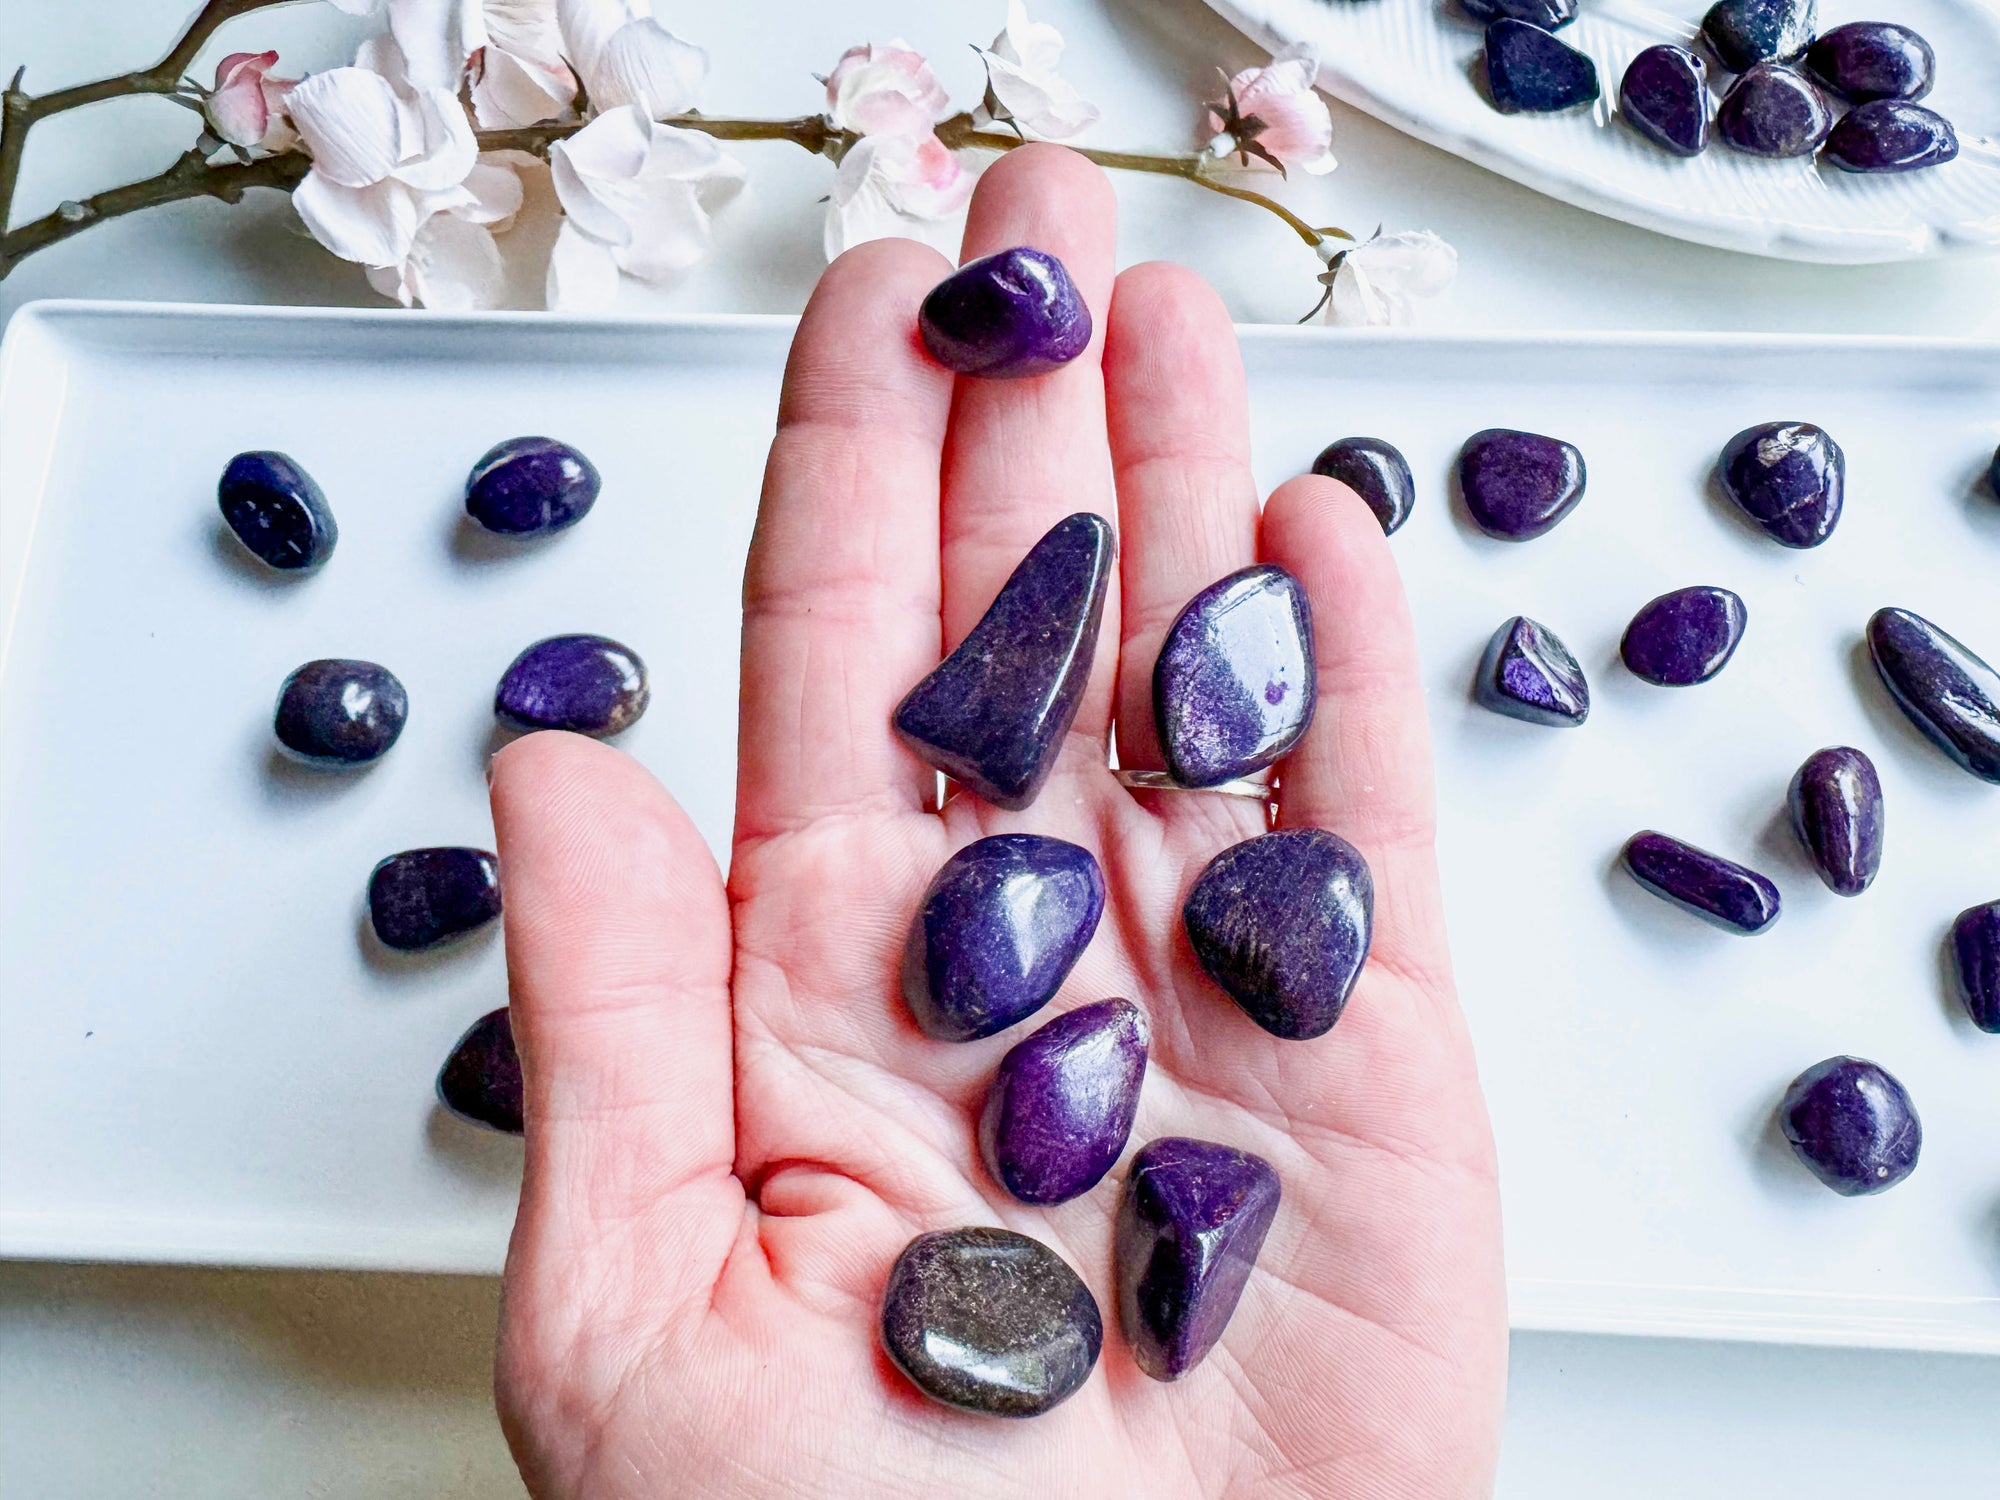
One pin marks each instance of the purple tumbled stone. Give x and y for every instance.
(1529, 72)
(1684, 637)
(994, 713)
(1190, 1224)
(1788, 477)
(277, 511)
(1773, 110)
(1550, 15)
(1234, 685)
(1866, 60)
(1947, 691)
(1282, 922)
(1528, 673)
(990, 1321)
(1745, 32)
(1835, 800)
(998, 931)
(1717, 890)
(1519, 484)
(1975, 951)
(1664, 96)
(340, 712)
(1062, 1103)
(530, 484)
(584, 683)
(1853, 1125)
(1377, 472)
(481, 1080)
(423, 897)
(1006, 315)
(1890, 135)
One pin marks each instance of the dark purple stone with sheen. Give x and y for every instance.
(1866, 60)
(1975, 951)
(1717, 890)
(998, 931)
(990, 1321)
(276, 510)
(1282, 922)
(994, 713)
(1518, 484)
(1835, 800)
(1234, 685)
(1377, 472)
(1853, 1125)
(481, 1080)
(1788, 477)
(584, 683)
(1527, 673)
(1006, 315)
(1192, 1219)
(1889, 135)
(1062, 1103)
(530, 484)
(1947, 691)
(1746, 32)
(1773, 110)
(340, 712)
(1550, 15)
(1684, 637)
(1529, 72)
(1664, 96)
(423, 897)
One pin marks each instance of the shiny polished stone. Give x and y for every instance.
(1528, 673)
(1530, 72)
(1866, 60)
(1282, 922)
(1890, 135)
(1788, 477)
(530, 484)
(1747, 32)
(990, 1321)
(276, 510)
(1192, 1219)
(1234, 685)
(1717, 890)
(423, 897)
(336, 711)
(1773, 111)
(1550, 15)
(584, 683)
(1006, 315)
(994, 713)
(1684, 637)
(1853, 1125)
(1975, 952)
(1947, 691)
(1664, 96)
(1374, 470)
(998, 931)
(1835, 800)
(1062, 1103)
(481, 1080)
(1519, 484)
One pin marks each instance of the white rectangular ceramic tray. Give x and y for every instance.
(199, 1060)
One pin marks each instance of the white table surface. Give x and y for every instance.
(139, 1381)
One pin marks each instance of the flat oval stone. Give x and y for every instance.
(481, 1080)
(276, 510)
(1975, 951)
(337, 711)
(1377, 472)
(1519, 484)
(1948, 692)
(423, 897)
(1530, 72)
(1664, 96)
(1746, 32)
(1835, 800)
(1282, 922)
(990, 1321)
(1062, 1103)
(1528, 673)
(1866, 60)
(1788, 477)
(530, 484)
(1889, 135)
(1006, 315)
(994, 713)
(1773, 111)
(1719, 891)
(1192, 1219)
(999, 930)
(1234, 685)
(1684, 637)
(1853, 1125)
(584, 683)
(1550, 15)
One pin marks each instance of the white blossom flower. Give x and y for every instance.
(247, 105)
(454, 264)
(871, 88)
(1272, 113)
(1021, 76)
(1380, 282)
(521, 77)
(624, 56)
(897, 183)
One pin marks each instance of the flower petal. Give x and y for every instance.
(373, 225)
(454, 265)
(587, 25)
(439, 147)
(349, 122)
(496, 193)
(866, 75)
(645, 64)
(582, 275)
(526, 29)
(436, 37)
(512, 90)
(595, 172)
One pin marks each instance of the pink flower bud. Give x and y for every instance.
(245, 107)
(1291, 120)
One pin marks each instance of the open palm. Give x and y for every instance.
(733, 1125)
